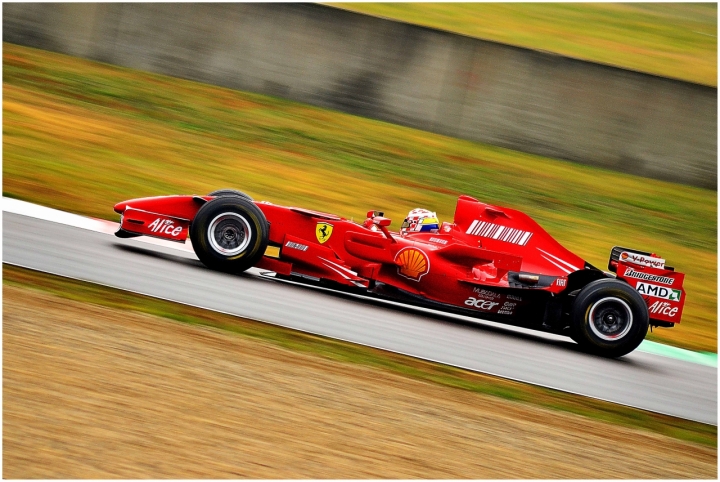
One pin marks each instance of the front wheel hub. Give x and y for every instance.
(229, 234)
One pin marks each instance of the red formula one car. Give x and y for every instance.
(490, 262)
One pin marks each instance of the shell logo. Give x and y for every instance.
(412, 263)
(624, 256)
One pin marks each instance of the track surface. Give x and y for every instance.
(640, 380)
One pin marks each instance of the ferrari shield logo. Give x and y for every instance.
(323, 231)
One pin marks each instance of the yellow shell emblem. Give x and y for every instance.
(412, 263)
(323, 231)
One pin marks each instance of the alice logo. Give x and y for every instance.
(412, 263)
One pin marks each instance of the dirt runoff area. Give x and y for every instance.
(91, 392)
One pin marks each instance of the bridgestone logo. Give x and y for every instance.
(501, 233)
(631, 273)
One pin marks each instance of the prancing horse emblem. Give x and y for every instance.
(323, 231)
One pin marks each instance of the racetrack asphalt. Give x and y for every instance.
(643, 380)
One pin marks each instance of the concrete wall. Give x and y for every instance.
(433, 80)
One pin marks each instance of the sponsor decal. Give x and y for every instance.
(323, 231)
(658, 291)
(299, 246)
(561, 282)
(491, 295)
(501, 233)
(663, 308)
(485, 294)
(165, 226)
(412, 263)
(438, 240)
(507, 308)
(651, 261)
(631, 273)
(481, 304)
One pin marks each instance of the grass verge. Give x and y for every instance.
(81, 136)
(677, 40)
(349, 353)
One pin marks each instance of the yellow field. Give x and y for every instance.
(677, 40)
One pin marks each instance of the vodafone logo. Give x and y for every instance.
(165, 226)
(481, 304)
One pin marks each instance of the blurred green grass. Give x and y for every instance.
(677, 40)
(81, 136)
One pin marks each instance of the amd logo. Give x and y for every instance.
(658, 291)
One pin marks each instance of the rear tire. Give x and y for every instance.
(230, 234)
(609, 318)
(230, 192)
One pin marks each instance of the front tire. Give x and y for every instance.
(609, 318)
(229, 234)
(230, 192)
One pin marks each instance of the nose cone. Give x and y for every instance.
(120, 207)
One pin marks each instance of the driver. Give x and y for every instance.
(420, 220)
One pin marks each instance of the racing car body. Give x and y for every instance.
(490, 262)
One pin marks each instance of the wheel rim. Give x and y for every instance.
(610, 318)
(229, 234)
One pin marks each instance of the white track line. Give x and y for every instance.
(24, 208)
(433, 360)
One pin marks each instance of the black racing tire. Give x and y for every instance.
(609, 318)
(230, 192)
(229, 234)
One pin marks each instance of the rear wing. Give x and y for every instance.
(659, 285)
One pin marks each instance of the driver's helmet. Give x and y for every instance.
(420, 220)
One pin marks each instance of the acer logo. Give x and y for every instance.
(165, 226)
(481, 304)
(662, 308)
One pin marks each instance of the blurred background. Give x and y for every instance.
(321, 106)
(598, 120)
